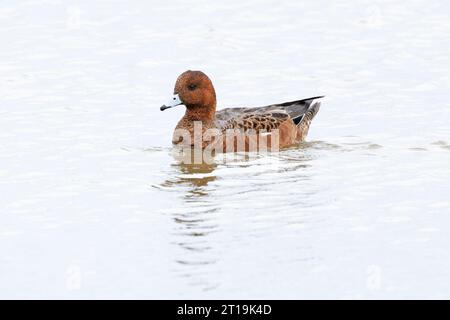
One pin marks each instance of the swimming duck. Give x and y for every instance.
(290, 120)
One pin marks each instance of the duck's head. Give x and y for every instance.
(194, 90)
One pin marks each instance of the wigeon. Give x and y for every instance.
(290, 120)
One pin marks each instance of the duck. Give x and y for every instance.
(202, 126)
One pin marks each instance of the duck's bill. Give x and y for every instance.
(175, 101)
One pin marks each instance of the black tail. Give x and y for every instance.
(310, 113)
(303, 101)
(304, 122)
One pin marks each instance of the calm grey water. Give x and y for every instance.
(94, 204)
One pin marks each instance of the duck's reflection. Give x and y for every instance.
(195, 221)
(192, 175)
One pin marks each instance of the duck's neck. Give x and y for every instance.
(200, 113)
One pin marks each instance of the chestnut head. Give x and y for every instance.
(194, 90)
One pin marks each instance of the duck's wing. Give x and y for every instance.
(266, 121)
(264, 118)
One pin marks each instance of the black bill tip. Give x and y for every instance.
(164, 107)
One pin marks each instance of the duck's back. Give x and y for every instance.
(268, 117)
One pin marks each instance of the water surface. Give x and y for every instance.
(95, 204)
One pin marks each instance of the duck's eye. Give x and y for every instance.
(192, 86)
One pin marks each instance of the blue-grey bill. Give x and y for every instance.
(175, 101)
